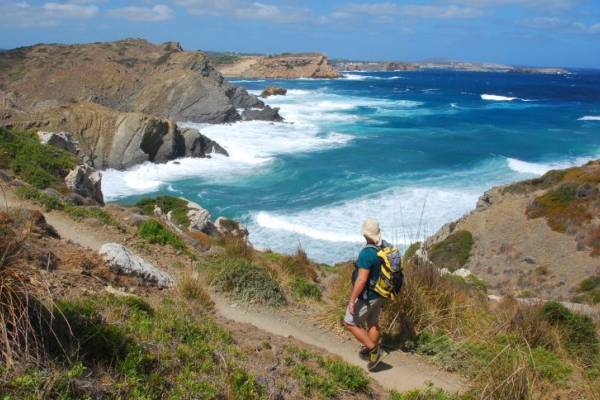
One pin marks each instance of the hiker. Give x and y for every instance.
(377, 276)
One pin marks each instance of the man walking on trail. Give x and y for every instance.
(365, 304)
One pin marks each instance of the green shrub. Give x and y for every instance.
(178, 208)
(248, 282)
(310, 381)
(87, 335)
(411, 251)
(40, 165)
(81, 212)
(350, 377)
(550, 366)
(579, 334)
(41, 198)
(245, 387)
(153, 232)
(301, 288)
(560, 207)
(428, 394)
(453, 252)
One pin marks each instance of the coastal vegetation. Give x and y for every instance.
(176, 206)
(507, 350)
(39, 165)
(453, 252)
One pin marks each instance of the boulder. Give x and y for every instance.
(137, 219)
(273, 91)
(229, 227)
(199, 219)
(242, 99)
(62, 140)
(264, 114)
(87, 182)
(122, 260)
(462, 272)
(198, 145)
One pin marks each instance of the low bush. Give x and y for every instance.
(153, 232)
(178, 208)
(303, 289)
(427, 394)
(560, 207)
(453, 252)
(40, 165)
(246, 281)
(298, 265)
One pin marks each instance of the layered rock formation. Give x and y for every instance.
(286, 66)
(128, 75)
(112, 139)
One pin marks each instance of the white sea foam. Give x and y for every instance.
(247, 80)
(252, 145)
(357, 77)
(398, 210)
(493, 97)
(590, 118)
(540, 168)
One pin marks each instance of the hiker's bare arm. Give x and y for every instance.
(359, 285)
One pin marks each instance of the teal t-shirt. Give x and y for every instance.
(368, 259)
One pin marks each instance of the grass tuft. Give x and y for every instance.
(154, 232)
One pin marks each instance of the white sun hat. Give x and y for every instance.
(371, 230)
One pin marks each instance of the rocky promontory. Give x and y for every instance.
(129, 75)
(285, 66)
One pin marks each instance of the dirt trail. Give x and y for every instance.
(84, 235)
(398, 371)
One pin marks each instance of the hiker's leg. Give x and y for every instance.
(372, 319)
(361, 335)
(355, 322)
(374, 333)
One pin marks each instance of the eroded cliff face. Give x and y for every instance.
(128, 75)
(113, 139)
(286, 66)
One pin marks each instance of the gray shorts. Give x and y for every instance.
(365, 313)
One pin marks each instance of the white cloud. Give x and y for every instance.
(406, 10)
(23, 14)
(243, 9)
(159, 12)
(70, 10)
(541, 4)
(556, 24)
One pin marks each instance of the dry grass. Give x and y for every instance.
(191, 288)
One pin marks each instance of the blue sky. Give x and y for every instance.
(526, 32)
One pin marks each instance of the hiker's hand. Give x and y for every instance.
(351, 306)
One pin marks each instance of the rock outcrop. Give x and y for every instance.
(123, 260)
(112, 139)
(265, 114)
(62, 140)
(129, 75)
(273, 91)
(284, 66)
(85, 181)
(231, 228)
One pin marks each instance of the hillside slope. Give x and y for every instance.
(536, 238)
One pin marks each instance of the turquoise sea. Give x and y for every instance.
(413, 149)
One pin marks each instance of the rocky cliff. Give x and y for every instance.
(130, 75)
(536, 238)
(113, 139)
(286, 66)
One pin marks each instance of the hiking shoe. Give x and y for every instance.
(375, 357)
(364, 353)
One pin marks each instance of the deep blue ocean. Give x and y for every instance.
(413, 149)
